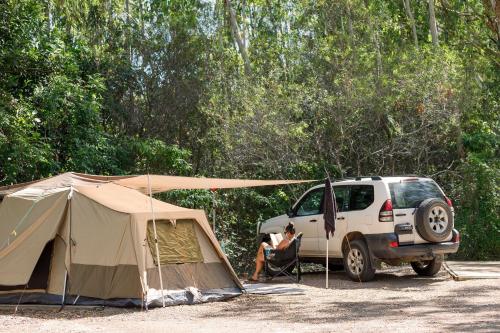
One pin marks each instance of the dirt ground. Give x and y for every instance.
(397, 301)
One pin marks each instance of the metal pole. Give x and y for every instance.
(70, 244)
(145, 276)
(213, 211)
(64, 289)
(327, 263)
(156, 241)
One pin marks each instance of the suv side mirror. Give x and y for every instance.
(289, 212)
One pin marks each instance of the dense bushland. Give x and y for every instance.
(258, 89)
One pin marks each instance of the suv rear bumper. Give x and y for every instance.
(380, 248)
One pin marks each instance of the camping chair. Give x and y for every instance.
(282, 262)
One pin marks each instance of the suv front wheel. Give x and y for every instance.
(357, 261)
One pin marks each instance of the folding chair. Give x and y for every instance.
(282, 262)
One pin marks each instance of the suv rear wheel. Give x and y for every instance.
(428, 268)
(357, 261)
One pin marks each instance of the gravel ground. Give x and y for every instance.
(397, 301)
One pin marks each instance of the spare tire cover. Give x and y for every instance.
(434, 220)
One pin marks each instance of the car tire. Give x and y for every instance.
(429, 267)
(357, 261)
(434, 220)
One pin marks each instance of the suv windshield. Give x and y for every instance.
(411, 194)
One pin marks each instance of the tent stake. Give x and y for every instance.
(156, 242)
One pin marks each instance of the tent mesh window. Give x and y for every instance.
(177, 243)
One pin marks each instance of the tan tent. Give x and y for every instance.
(88, 239)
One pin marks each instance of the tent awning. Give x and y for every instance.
(160, 183)
(141, 183)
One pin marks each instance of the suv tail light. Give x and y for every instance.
(448, 201)
(386, 214)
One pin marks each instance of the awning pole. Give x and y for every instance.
(326, 263)
(156, 241)
(145, 275)
(70, 244)
(63, 299)
(213, 211)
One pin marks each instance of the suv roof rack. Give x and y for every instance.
(343, 178)
(372, 177)
(356, 178)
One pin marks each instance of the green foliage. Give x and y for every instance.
(478, 217)
(128, 87)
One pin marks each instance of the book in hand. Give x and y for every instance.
(276, 239)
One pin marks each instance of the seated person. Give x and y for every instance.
(259, 261)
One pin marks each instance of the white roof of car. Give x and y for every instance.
(353, 181)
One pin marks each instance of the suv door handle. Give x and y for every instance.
(341, 218)
(313, 220)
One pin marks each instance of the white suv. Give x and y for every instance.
(388, 219)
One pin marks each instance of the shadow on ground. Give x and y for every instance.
(392, 296)
(389, 302)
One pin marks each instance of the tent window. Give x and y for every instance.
(177, 242)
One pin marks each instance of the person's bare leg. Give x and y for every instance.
(258, 267)
(259, 261)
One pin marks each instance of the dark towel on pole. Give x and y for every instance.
(330, 208)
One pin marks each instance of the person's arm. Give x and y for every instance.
(283, 244)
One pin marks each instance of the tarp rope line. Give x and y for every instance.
(156, 242)
(450, 271)
(20, 298)
(14, 232)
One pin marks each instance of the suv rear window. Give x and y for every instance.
(411, 194)
(361, 197)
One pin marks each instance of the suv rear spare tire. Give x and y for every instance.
(428, 268)
(357, 261)
(434, 220)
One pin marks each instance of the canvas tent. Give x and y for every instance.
(87, 239)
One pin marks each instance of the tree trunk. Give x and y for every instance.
(411, 20)
(433, 24)
(376, 40)
(244, 35)
(492, 11)
(349, 22)
(49, 16)
(129, 31)
(141, 11)
(110, 18)
(237, 36)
